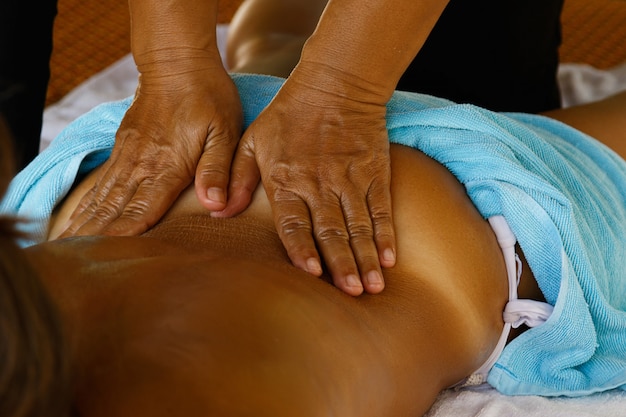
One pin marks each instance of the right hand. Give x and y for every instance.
(324, 161)
(178, 127)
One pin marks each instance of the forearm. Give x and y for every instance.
(371, 42)
(171, 37)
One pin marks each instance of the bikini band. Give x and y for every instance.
(516, 312)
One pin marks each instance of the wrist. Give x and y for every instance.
(178, 66)
(330, 82)
(170, 36)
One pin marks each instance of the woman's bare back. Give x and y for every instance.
(199, 310)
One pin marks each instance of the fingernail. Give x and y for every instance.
(389, 255)
(353, 281)
(216, 195)
(313, 266)
(374, 279)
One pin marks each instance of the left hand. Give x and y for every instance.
(324, 162)
(178, 128)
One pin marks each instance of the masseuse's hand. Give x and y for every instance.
(178, 127)
(324, 163)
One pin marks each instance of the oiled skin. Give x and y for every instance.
(203, 316)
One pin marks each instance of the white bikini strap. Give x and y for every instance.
(517, 312)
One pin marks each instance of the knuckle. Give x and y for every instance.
(213, 172)
(293, 224)
(381, 219)
(385, 234)
(136, 209)
(360, 230)
(221, 137)
(284, 179)
(105, 212)
(383, 227)
(130, 222)
(326, 234)
(84, 208)
(381, 211)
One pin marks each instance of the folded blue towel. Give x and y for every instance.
(562, 193)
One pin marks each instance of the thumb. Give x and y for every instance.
(245, 177)
(213, 171)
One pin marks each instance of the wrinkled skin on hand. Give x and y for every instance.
(324, 162)
(323, 159)
(178, 127)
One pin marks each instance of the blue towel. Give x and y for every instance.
(562, 193)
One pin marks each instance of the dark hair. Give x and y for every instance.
(33, 367)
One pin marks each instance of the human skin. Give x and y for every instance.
(209, 316)
(210, 306)
(604, 120)
(320, 147)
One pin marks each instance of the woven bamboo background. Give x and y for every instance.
(90, 35)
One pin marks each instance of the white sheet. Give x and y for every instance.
(579, 84)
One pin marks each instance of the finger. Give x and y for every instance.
(334, 243)
(82, 212)
(124, 208)
(213, 170)
(144, 210)
(361, 236)
(380, 207)
(245, 177)
(293, 224)
(101, 213)
(85, 203)
(101, 204)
